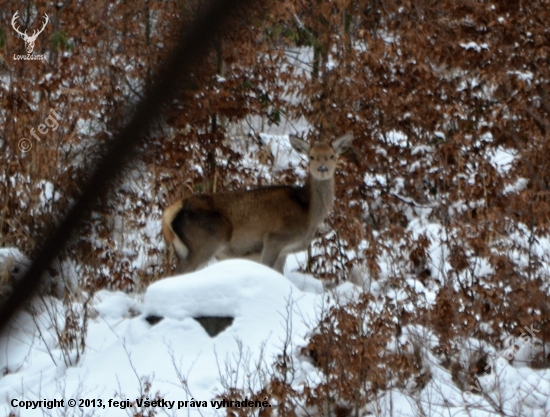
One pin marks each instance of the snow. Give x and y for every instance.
(124, 351)
(12, 262)
(122, 347)
(525, 76)
(47, 193)
(395, 137)
(284, 156)
(519, 185)
(473, 45)
(502, 159)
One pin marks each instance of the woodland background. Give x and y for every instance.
(436, 92)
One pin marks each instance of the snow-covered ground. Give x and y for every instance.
(182, 361)
(151, 347)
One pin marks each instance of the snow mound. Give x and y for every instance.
(246, 290)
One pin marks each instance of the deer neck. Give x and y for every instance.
(321, 195)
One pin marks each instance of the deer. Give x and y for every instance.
(264, 224)
(29, 40)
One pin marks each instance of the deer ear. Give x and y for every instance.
(343, 143)
(299, 145)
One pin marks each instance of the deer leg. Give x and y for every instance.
(200, 256)
(280, 264)
(182, 267)
(273, 245)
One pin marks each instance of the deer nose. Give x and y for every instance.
(322, 168)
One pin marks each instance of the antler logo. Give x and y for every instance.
(29, 40)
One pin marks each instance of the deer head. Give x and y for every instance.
(322, 158)
(29, 40)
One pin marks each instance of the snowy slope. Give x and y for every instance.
(150, 347)
(123, 348)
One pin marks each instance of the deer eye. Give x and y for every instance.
(331, 156)
(311, 157)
